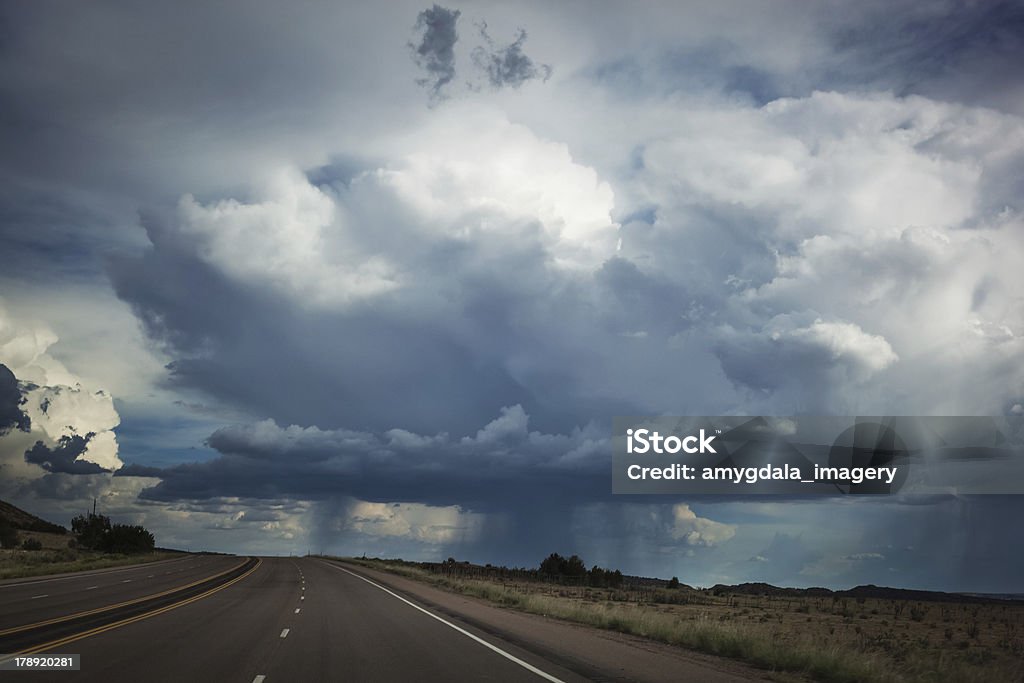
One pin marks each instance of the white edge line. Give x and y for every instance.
(495, 648)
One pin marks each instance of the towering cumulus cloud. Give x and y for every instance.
(373, 323)
(835, 252)
(411, 327)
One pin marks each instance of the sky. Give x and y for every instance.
(334, 277)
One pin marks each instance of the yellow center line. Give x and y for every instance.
(134, 601)
(131, 620)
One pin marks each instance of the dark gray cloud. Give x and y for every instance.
(507, 65)
(372, 356)
(435, 52)
(490, 470)
(501, 65)
(64, 457)
(525, 483)
(11, 401)
(137, 470)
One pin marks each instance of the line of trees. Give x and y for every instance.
(554, 568)
(572, 569)
(95, 532)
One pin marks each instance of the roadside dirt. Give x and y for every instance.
(604, 656)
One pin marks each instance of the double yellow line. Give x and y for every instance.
(130, 620)
(126, 603)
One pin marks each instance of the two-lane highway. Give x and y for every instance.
(300, 619)
(306, 619)
(352, 629)
(225, 636)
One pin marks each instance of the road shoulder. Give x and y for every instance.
(594, 653)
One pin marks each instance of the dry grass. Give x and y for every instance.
(825, 639)
(57, 558)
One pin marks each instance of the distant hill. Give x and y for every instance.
(756, 589)
(869, 591)
(19, 519)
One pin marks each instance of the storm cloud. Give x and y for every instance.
(485, 471)
(508, 284)
(308, 308)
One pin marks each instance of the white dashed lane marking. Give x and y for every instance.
(284, 633)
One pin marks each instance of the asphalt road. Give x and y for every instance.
(303, 619)
(27, 601)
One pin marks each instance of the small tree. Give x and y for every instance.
(552, 565)
(90, 530)
(32, 544)
(673, 582)
(574, 567)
